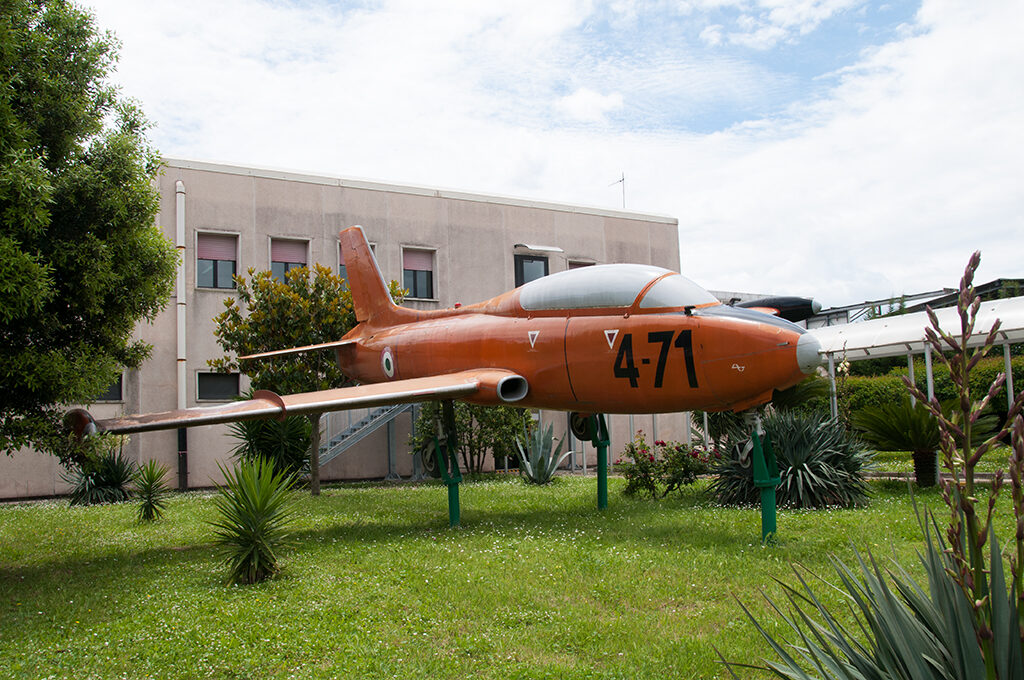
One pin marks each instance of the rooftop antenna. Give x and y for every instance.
(622, 181)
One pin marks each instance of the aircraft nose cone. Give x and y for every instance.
(807, 357)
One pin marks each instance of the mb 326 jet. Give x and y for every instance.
(615, 338)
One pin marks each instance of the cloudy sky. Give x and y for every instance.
(845, 149)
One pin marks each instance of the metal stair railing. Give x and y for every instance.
(356, 432)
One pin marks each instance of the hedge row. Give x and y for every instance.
(888, 389)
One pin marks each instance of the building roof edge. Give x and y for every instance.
(332, 180)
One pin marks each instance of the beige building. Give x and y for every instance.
(446, 247)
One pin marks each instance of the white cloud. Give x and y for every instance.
(588, 106)
(712, 35)
(882, 184)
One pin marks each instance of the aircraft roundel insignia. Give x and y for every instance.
(387, 362)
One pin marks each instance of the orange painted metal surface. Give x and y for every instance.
(611, 360)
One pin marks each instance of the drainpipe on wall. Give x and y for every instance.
(179, 293)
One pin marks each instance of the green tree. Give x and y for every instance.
(479, 430)
(307, 308)
(81, 260)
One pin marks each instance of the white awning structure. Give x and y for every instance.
(901, 335)
(904, 335)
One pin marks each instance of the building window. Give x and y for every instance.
(216, 260)
(217, 386)
(286, 255)
(530, 268)
(418, 273)
(114, 392)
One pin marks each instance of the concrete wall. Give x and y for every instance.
(472, 237)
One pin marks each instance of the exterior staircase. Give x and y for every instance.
(337, 443)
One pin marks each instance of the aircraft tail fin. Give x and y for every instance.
(370, 295)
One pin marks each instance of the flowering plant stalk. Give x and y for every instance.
(970, 526)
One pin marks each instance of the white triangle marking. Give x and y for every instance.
(533, 337)
(610, 337)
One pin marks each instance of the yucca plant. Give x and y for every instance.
(151, 488)
(286, 442)
(255, 508)
(540, 457)
(969, 622)
(820, 464)
(106, 474)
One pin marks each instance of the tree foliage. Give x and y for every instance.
(81, 261)
(479, 430)
(309, 307)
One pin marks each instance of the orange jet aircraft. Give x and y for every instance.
(616, 338)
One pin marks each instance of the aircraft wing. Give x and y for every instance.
(485, 385)
(904, 334)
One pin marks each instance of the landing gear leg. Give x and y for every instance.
(594, 428)
(448, 463)
(766, 473)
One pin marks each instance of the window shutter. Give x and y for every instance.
(287, 251)
(216, 247)
(418, 260)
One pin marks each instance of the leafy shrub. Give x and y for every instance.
(540, 457)
(152, 489)
(981, 377)
(881, 391)
(658, 471)
(254, 509)
(478, 429)
(105, 476)
(820, 464)
(286, 442)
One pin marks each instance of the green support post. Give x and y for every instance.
(598, 431)
(448, 463)
(766, 478)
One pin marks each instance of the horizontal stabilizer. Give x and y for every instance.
(298, 350)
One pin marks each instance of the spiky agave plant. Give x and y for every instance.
(255, 508)
(820, 464)
(540, 457)
(151, 489)
(904, 632)
(105, 477)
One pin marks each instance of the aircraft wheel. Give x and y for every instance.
(430, 463)
(579, 423)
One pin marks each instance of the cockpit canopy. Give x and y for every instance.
(612, 285)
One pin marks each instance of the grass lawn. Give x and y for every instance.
(536, 584)
(902, 461)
